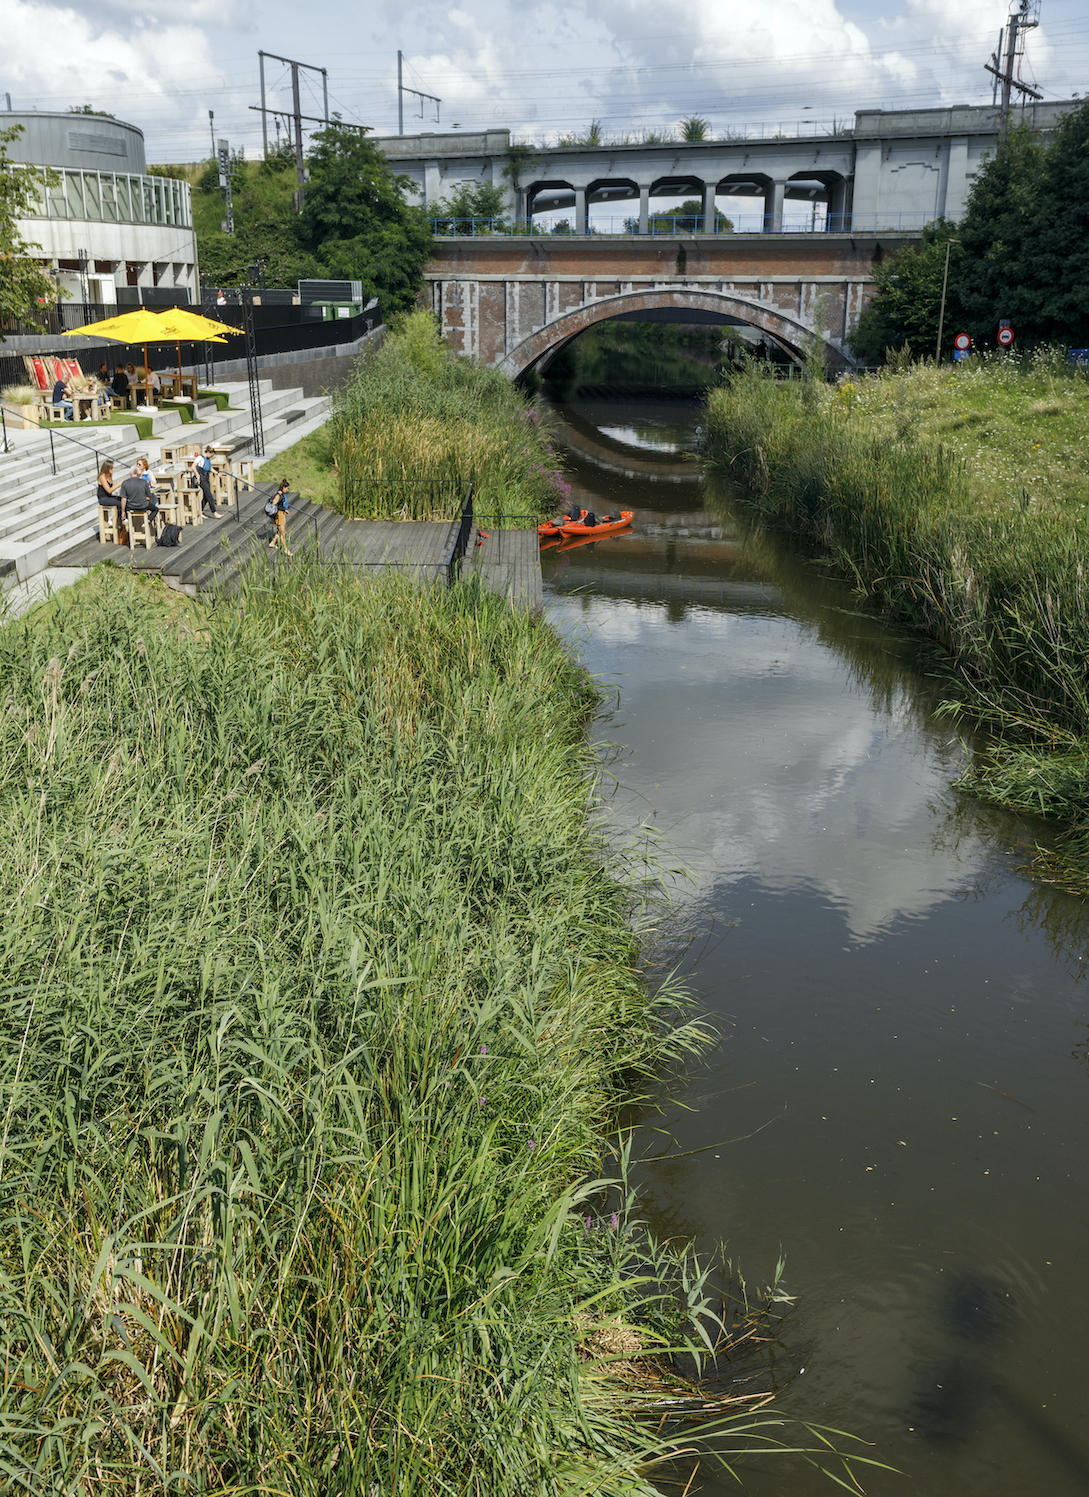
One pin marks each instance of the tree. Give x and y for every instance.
(24, 285)
(356, 221)
(1023, 254)
(520, 158)
(685, 219)
(468, 201)
(906, 304)
(1026, 237)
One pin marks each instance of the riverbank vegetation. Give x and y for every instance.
(925, 490)
(1020, 253)
(415, 425)
(319, 1001)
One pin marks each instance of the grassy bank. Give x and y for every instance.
(415, 425)
(308, 467)
(938, 527)
(318, 1003)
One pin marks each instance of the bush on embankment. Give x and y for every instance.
(416, 425)
(993, 573)
(318, 1001)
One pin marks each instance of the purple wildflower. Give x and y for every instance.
(533, 1143)
(483, 1049)
(614, 1221)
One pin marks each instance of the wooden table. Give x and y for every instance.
(171, 452)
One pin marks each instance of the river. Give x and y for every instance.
(900, 1098)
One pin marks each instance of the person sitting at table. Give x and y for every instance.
(154, 387)
(108, 496)
(120, 386)
(62, 396)
(139, 496)
(144, 469)
(103, 373)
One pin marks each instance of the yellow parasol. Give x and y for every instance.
(144, 326)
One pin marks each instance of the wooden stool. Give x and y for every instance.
(222, 486)
(107, 524)
(167, 501)
(142, 529)
(191, 512)
(245, 469)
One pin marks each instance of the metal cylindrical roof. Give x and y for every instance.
(93, 141)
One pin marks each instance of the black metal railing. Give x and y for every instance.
(53, 432)
(461, 542)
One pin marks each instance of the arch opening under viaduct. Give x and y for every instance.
(544, 343)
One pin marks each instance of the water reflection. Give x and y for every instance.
(899, 1004)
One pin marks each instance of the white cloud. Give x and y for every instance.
(635, 64)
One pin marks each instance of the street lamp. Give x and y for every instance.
(949, 243)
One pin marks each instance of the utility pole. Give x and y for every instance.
(1023, 19)
(949, 243)
(225, 182)
(299, 168)
(212, 128)
(402, 90)
(295, 113)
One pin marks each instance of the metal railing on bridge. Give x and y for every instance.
(673, 224)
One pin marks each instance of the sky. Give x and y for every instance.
(538, 70)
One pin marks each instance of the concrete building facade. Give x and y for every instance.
(107, 227)
(896, 170)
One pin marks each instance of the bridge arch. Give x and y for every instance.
(780, 326)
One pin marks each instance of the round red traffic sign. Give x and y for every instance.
(962, 341)
(1005, 337)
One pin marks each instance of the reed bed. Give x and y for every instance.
(318, 1002)
(416, 425)
(995, 577)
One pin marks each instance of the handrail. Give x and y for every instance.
(53, 431)
(461, 543)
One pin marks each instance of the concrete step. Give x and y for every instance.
(42, 485)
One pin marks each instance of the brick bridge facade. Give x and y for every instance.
(513, 302)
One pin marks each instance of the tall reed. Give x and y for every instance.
(416, 425)
(318, 1001)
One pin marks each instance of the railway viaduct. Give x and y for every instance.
(513, 302)
(831, 203)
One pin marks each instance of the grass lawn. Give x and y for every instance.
(1015, 428)
(308, 467)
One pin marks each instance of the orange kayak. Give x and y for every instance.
(570, 528)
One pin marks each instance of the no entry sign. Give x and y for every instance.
(1005, 337)
(963, 342)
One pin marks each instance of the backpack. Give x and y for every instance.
(171, 535)
(271, 508)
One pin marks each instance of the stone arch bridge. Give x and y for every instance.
(513, 302)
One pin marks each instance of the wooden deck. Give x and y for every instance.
(507, 563)
(212, 555)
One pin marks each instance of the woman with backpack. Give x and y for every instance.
(276, 509)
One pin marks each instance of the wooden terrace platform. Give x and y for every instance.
(212, 555)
